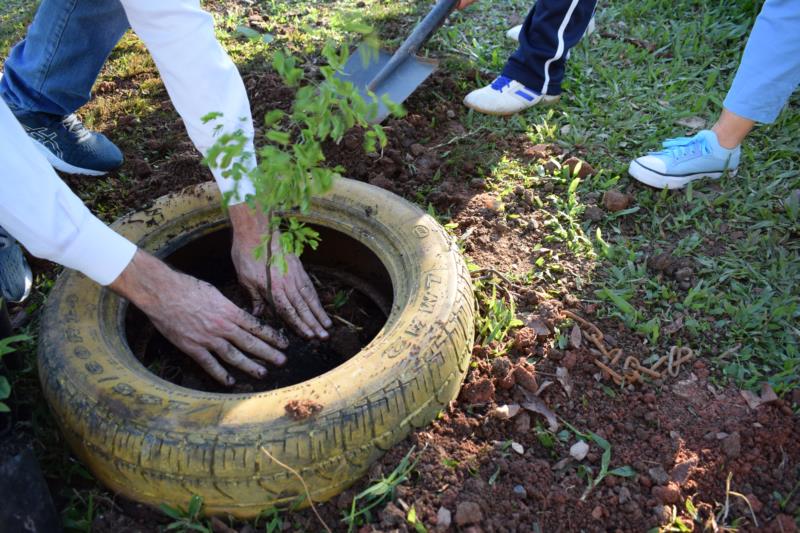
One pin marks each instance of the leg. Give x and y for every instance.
(731, 129)
(770, 68)
(551, 28)
(53, 69)
(768, 74)
(50, 74)
(533, 74)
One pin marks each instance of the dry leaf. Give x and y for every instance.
(563, 377)
(505, 412)
(575, 336)
(579, 450)
(673, 327)
(755, 401)
(546, 383)
(538, 325)
(517, 447)
(693, 123)
(536, 405)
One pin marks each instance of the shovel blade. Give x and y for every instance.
(398, 86)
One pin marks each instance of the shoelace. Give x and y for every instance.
(682, 147)
(74, 125)
(500, 83)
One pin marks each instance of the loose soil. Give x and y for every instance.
(346, 298)
(682, 436)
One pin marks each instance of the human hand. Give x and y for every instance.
(465, 3)
(292, 292)
(198, 319)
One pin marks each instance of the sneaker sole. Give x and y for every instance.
(545, 101)
(63, 166)
(660, 181)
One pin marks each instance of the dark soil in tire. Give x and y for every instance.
(357, 305)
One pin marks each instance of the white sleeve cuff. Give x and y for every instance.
(98, 251)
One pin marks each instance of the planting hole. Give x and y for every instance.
(352, 284)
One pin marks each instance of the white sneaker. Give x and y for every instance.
(513, 33)
(505, 96)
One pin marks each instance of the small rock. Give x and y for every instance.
(597, 513)
(593, 213)
(417, 149)
(522, 422)
(392, 515)
(579, 450)
(468, 513)
(614, 200)
(624, 495)
(443, 518)
(669, 494)
(517, 447)
(520, 491)
(506, 412)
(732, 445)
(451, 114)
(538, 325)
(658, 475)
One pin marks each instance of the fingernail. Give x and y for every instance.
(280, 360)
(230, 381)
(262, 373)
(322, 334)
(327, 322)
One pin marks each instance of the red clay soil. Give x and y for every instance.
(682, 436)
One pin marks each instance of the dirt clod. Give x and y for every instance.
(593, 213)
(614, 200)
(443, 518)
(732, 445)
(525, 339)
(583, 168)
(302, 409)
(668, 495)
(468, 513)
(480, 391)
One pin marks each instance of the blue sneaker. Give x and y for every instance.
(69, 146)
(505, 96)
(686, 159)
(15, 274)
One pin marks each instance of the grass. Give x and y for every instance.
(622, 99)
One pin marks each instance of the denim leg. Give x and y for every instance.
(770, 68)
(551, 28)
(53, 68)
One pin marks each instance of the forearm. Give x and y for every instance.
(198, 74)
(41, 212)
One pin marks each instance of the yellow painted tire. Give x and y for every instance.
(155, 442)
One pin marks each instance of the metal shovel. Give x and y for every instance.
(396, 75)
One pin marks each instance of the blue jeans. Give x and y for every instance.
(551, 28)
(770, 68)
(53, 68)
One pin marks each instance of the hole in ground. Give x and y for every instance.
(352, 284)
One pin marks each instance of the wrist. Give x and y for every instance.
(142, 280)
(249, 225)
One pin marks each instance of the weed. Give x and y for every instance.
(379, 493)
(5, 386)
(188, 520)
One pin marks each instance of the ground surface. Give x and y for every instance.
(714, 268)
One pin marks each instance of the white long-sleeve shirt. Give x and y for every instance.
(43, 214)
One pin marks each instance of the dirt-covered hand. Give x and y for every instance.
(195, 317)
(292, 292)
(294, 296)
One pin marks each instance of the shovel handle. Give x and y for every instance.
(432, 21)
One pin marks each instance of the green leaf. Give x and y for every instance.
(623, 471)
(250, 33)
(5, 388)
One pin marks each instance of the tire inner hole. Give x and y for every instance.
(353, 285)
